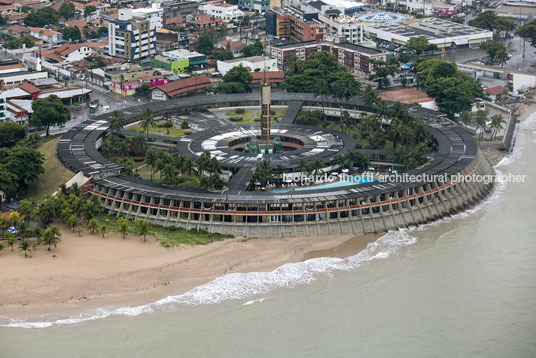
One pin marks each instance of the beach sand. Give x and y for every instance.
(89, 272)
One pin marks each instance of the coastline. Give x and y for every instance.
(90, 272)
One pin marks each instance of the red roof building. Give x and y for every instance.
(181, 88)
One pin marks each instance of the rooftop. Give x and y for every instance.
(431, 28)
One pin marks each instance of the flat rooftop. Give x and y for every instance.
(286, 44)
(430, 28)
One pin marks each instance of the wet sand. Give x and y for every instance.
(89, 272)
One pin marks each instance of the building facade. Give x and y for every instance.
(291, 23)
(131, 38)
(356, 58)
(258, 6)
(222, 11)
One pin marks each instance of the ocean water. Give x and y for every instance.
(461, 287)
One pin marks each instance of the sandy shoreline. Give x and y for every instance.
(89, 272)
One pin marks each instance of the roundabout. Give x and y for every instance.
(361, 207)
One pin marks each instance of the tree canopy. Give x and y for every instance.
(42, 17)
(205, 44)
(490, 21)
(418, 45)
(237, 80)
(528, 32)
(496, 51)
(67, 10)
(49, 111)
(307, 75)
(72, 34)
(11, 133)
(255, 49)
(453, 90)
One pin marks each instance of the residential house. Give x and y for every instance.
(66, 53)
(235, 46)
(50, 36)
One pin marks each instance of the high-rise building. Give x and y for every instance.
(133, 35)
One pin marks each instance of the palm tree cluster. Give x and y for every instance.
(178, 169)
(118, 146)
(265, 173)
(23, 232)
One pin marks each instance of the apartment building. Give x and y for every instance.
(130, 36)
(356, 58)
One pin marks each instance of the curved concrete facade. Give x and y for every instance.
(361, 208)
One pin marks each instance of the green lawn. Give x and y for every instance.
(249, 117)
(159, 129)
(169, 236)
(55, 173)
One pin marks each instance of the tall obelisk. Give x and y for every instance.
(265, 112)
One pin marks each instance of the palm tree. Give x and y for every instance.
(465, 118)
(14, 219)
(3, 224)
(2, 246)
(481, 117)
(80, 230)
(345, 89)
(116, 120)
(323, 90)
(11, 240)
(395, 131)
(370, 96)
(104, 229)
(24, 246)
(52, 236)
(346, 120)
(122, 226)
(150, 158)
(303, 166)
(71, 221)
(497, 122)
(317, 165)
(142, 228)
(26, 207)
(147, 120)
(187, 166)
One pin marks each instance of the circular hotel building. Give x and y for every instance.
(242, 208)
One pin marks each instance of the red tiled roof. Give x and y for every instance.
(235, 45)
(495, 91)
(271, 76)
(7, 2)
(18, 28)
(181, 86)
(7, 7)
(28, 87)
(10, 67)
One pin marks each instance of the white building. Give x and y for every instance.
(66, 53)
(255, 63)
(155, 14)
(226, 12)
(131, 36)
(4, 113)
(50, 36)
(441, 33)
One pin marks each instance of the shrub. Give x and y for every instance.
(257, 119)
(235, 119)
(167, 124)
(184, 125)
(240, 111)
